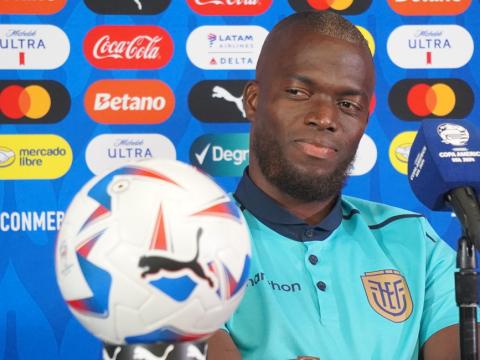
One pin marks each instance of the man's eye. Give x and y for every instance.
(349, 105)
(296, 92)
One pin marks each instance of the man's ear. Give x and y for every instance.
(250, 98)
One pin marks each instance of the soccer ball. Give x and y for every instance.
(154, 251)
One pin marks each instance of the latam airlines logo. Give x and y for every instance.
(429, 7)
(32, 102)
(129, 101)
(128, 47)
(230, 7)
(417, 99)
(35, 7)
(222, 154)
(26, 47)
(225, 47)
(109, 151)
(136, 7)
(430, 46)
(345, 7)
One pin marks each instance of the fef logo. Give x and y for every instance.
(37, 7)
(34, 157)
(416, 99)
(221, 154)
(430, 46)
(345, 7)
(230, 7)
(400, 149)
(136, 7)
(128, 47)
(26, 47)
(32, 102)
(129, 101)
(431, 7)
(225, 47)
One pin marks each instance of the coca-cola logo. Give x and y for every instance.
(230, 7)
(128, 47)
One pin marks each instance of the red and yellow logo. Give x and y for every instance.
(432, 7)
(37, 7)
(438, 99)
(32, 101)
(330, 4)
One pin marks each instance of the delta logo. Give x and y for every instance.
(429, 7)
(345, 7)
(129, 101)
(33, 102)
(230, 7)
(430, 46)
(131, 7)
(417, 99)
(128, 47)
(27, 47)
(36, 7)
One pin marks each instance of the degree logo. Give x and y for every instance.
(416, 99)
(38, 7)
(129, 101)
(230, 7)
(33, 102)
(134, 7)
(345, 7)
(400, 149)
(428, 8)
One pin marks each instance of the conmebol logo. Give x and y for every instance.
(229, 7)
(429, 7)
(430, 46)
(37, 7)
(128, 47)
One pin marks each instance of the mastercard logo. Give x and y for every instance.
(427, 8)
(416, 99)
(38, 7)
(400, 149)
(345, 7)
(33, 102)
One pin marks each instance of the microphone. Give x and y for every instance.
(444, 170)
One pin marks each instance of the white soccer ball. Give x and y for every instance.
(153, 251)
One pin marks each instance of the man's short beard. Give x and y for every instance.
(284, 175)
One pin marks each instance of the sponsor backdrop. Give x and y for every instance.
(88, 85)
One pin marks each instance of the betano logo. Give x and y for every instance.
(36, 7)
(221, 154)
(416, 99)
(400, 149)
(230, 7)
(430, 46)
(129, 101)
(429, 7)
(345, 7)
(32, 102)
(34, 157)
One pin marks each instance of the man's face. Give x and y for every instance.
(309, 108)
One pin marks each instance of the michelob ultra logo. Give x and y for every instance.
(230, 7)
(37, 7)
(32, 102)
(221, 154)
(416, 99)
(129, 101)
(429, 7)
(137, 7)
(345, 7)
(430, 46)
(26, 47)
(34, 157)
(400, 149)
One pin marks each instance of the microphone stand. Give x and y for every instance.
(465, 205)
(158, 351)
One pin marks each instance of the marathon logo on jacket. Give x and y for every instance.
(429, 7)
(128, 47)
(230, 7)
(129, 101)
(26, 221)
(137, 7)
(344, 7)
(108, 151)
(27, 47)
(31, 7)
(225, 47)
(430, 46)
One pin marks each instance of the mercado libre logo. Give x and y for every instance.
(37, 7)
(128, 47)
(137, 7)
(344, 7)
(33, 102)
(400, 149)
(229, 7)
(429, 8)
(416, 99)
(36, 157)
(129, 101)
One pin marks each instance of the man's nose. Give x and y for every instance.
(323, 115)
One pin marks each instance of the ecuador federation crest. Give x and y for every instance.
(388, 294)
